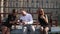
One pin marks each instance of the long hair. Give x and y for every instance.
(40, 12)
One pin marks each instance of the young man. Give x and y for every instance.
(9, 22)
(27, 20)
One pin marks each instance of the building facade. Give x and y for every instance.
(49, 6)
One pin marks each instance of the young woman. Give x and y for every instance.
(43, 20)
(9, 22)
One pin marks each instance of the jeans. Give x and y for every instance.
(28, 28)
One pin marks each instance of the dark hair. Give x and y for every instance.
(39, 10)
(13, 11)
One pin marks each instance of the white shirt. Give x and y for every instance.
(27, 19)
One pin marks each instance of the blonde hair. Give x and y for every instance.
(40, 10)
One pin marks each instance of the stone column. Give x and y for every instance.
(2, 1)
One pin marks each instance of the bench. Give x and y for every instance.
(55, 30)
(18, 30)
